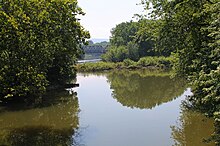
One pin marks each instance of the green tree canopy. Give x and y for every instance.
(137, 38)
(123, 33)
(39, 43)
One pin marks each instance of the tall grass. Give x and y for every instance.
(145, 62)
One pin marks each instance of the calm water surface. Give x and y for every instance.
(110, 109)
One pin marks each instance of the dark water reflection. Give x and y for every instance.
(53, 122)
(192, 129)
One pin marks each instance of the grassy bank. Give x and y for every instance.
(146, 62)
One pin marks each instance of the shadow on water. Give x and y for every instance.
(144, 91)
(52, 121)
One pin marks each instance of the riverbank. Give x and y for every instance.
(162, 63)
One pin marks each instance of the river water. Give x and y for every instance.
(124, 108)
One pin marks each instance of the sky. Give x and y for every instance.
(103, 15)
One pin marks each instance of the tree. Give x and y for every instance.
(138, 38)
(146, 38)
(192, 28)
(115, 54)
(123, 33)
(39, 43)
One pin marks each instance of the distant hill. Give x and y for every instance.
(99, 40)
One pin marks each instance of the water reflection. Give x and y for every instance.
(192, 129)
(144, 90)
(111, 124)
(196, 124)
(53, 122)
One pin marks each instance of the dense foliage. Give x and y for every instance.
(134, 40)
(39, 43)
(192, 28)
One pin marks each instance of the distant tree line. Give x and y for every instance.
(94, 50)
(92, 47)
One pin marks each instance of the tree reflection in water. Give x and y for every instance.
(192, 129)
(53, 122)
(138, 89)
